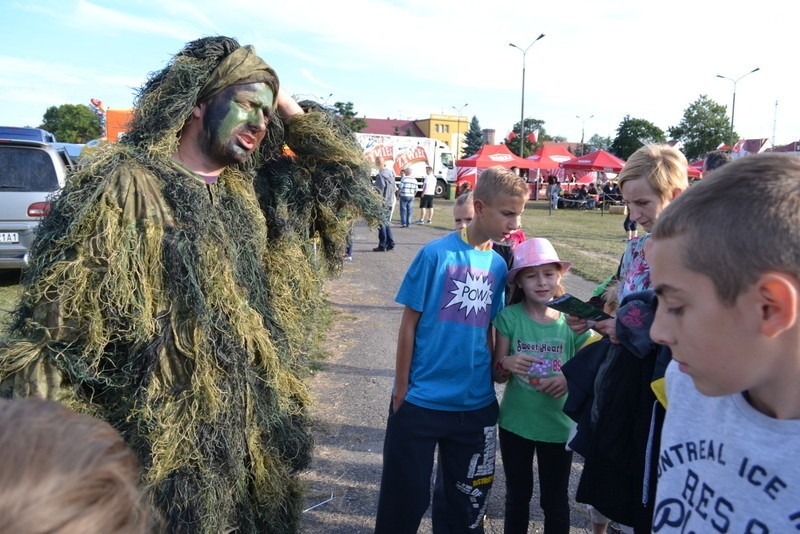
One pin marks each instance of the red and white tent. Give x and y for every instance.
(599, 160)
(468, 169)
(548, 159)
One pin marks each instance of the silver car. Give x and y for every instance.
(30, 172)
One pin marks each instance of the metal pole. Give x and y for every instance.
(522, 111)
(522, 104)
(458, 127)
(583, 123)
(733, 103)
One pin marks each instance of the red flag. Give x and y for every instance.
(511, 136)
(722, 146)
(532, 136)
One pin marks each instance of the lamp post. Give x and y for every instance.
(733, 104)
(583, 123)
(458, 127)
(522, 106)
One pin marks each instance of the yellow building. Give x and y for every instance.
(449, 129)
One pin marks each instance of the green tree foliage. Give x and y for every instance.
(529, 148)
(72, 123)
(598, 142)
(349, 116)
(703, 127)
(473, 139)
(633, 134)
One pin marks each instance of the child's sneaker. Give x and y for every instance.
(428, 221)
(348, 258)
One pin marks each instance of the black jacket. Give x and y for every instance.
(619, 419)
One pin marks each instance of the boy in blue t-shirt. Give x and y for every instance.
(443, 393)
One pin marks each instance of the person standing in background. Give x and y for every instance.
(408, 188)
(426, 202)
(384, 184)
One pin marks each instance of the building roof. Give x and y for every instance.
(392, 127)
(791, 147)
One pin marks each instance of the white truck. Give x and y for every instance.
(400, 152)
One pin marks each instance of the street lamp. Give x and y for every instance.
(733, 104)
(583, 123)
(458, 127)
(522, 106)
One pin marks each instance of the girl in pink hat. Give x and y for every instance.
(533, 341)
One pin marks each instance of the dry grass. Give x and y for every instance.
(9, 294)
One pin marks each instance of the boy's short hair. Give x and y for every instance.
(496, 181)
(428, 169)
(466, 198)
(664, 167)
(61, 471)
(741, 221)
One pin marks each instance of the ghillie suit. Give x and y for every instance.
(168, 308)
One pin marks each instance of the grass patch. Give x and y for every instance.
(10, 291)
(591, 241)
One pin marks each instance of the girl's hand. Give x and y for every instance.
(555, 386)
(520, 364)
(577, 324)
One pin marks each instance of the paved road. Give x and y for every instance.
(352, 391)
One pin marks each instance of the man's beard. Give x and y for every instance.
(227, 151)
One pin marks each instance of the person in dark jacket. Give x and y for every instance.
(384, 184)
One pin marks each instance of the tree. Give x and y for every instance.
(72, 123)
(632, 134)
(598, 142)
(349, 116)
(703, 127)
(529, 148)
(473, 139)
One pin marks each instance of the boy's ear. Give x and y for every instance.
(478, 205)
(779, 297)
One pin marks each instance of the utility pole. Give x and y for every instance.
(522, 106)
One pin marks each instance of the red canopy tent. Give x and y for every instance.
(550, 157)
(696, 168)
(599, 160)
(470, 168)
(547, 158)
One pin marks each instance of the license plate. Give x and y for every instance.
(9, 237)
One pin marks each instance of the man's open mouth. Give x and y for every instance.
(247, 141)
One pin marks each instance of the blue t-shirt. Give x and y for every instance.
(458, 290)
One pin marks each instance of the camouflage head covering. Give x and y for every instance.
(199, 71)
(241, 67)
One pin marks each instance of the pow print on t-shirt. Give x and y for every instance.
(467, 296)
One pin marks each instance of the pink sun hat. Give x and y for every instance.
(533, 252)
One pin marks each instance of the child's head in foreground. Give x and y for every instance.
(463, 212)
(725, 262)
(64, 472)
(499, 199)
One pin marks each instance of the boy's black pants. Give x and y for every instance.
(466, 469)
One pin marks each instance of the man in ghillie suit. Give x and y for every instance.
(172, 286)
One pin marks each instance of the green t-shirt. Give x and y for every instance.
(523, 410)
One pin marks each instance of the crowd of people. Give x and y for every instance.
(646, 397)
(161, 313)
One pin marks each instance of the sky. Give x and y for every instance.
(408, 59)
